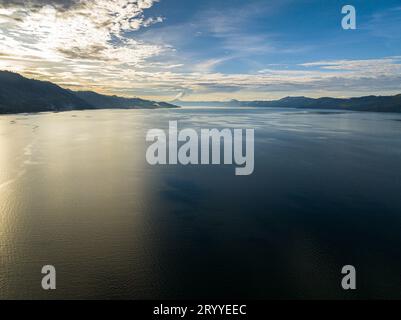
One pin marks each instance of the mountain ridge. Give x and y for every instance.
(366, 103)
(19, 94)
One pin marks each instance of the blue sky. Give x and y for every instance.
(206, 50)
(274, 32)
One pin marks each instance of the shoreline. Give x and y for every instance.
(78, 110)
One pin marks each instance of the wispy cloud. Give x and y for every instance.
(385, 24)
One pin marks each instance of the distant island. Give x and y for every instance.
(22, 95)
(368, 103)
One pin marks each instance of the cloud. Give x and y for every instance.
(208, 65)
(37, 4)
(180, 95)
(366, 68)
(75, 32)
(385, 24)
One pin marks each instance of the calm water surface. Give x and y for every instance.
(76, 192)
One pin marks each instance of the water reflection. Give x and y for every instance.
(76, 192)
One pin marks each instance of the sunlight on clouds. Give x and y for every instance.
(86, 35)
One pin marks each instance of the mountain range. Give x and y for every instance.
(367, 103)
(22, 95)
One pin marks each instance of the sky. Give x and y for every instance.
(205, 50)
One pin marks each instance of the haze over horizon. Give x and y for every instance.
(208, 50)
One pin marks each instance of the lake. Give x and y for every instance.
(76, 192)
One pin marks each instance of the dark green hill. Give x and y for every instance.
(368, 103)
(103, 101)
(21, 95)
